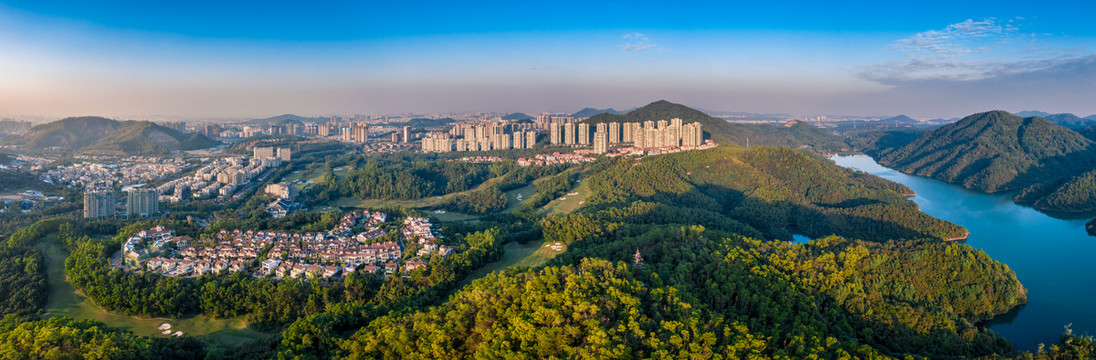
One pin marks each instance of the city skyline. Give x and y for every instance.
(264, 59)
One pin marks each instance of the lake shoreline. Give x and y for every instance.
(1048, 254)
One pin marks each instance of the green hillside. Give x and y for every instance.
(97, 135)
(70, 133)
(998, 151)
(775, 190)
(795, 134)
(708, 282)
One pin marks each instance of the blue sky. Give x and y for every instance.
(210, 59)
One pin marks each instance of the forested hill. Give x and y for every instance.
(588, 112)
(775, 190)
(99, 135)
(998, 151)
(799, 135)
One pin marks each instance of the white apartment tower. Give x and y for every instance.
(601, 142)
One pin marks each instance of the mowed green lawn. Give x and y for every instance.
(531, 254)
(313, 175)
(570, 202)
(65, 301)
(511, 205)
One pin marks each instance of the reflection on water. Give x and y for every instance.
(1051, 256)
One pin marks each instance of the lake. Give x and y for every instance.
(1050, 256)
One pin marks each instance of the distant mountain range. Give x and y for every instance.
(588, 112)
(1064, 119)
(795, 135)
(97, 135)
(997, 151)
(426, 123)
(280, 119)
(902, 119)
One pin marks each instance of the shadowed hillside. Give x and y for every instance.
(97, 135)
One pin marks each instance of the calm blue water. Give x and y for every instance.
(1053, 258)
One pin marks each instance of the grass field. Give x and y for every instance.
(65, 301)
(571, 202)
(313, 175)
(531, 254)
(511, 196)
(525, 192)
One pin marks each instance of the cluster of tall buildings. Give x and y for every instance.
(545, 120)
(284, 154)
(354, 132)
(481, 137)
(100, 204)
(649, 134)
(179, 126)
(221, 177)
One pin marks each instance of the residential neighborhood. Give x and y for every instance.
(353, 245)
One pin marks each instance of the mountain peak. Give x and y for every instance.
(994, 151)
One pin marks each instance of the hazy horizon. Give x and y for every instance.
(213, 60)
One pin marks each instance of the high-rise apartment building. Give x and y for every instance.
(692, 135)
(360, 133)
(501, 141)
(569, 134)
(614, 132)
(601, 142)
(583, 133)
(557, 133)
(530, 139)
(212, 130)
(263, 152)
(406, 134)
(98, 204)
(142, 202)
(518, 139)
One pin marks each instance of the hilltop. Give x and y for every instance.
(797, 135)
(426, 123)
(517, 116)
(97, 135)
(588, 112)
(901, 119)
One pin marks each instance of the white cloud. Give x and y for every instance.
(638, 42)
(967, 51)
(636, 36)
(960, 38)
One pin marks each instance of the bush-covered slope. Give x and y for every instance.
(692, 294)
